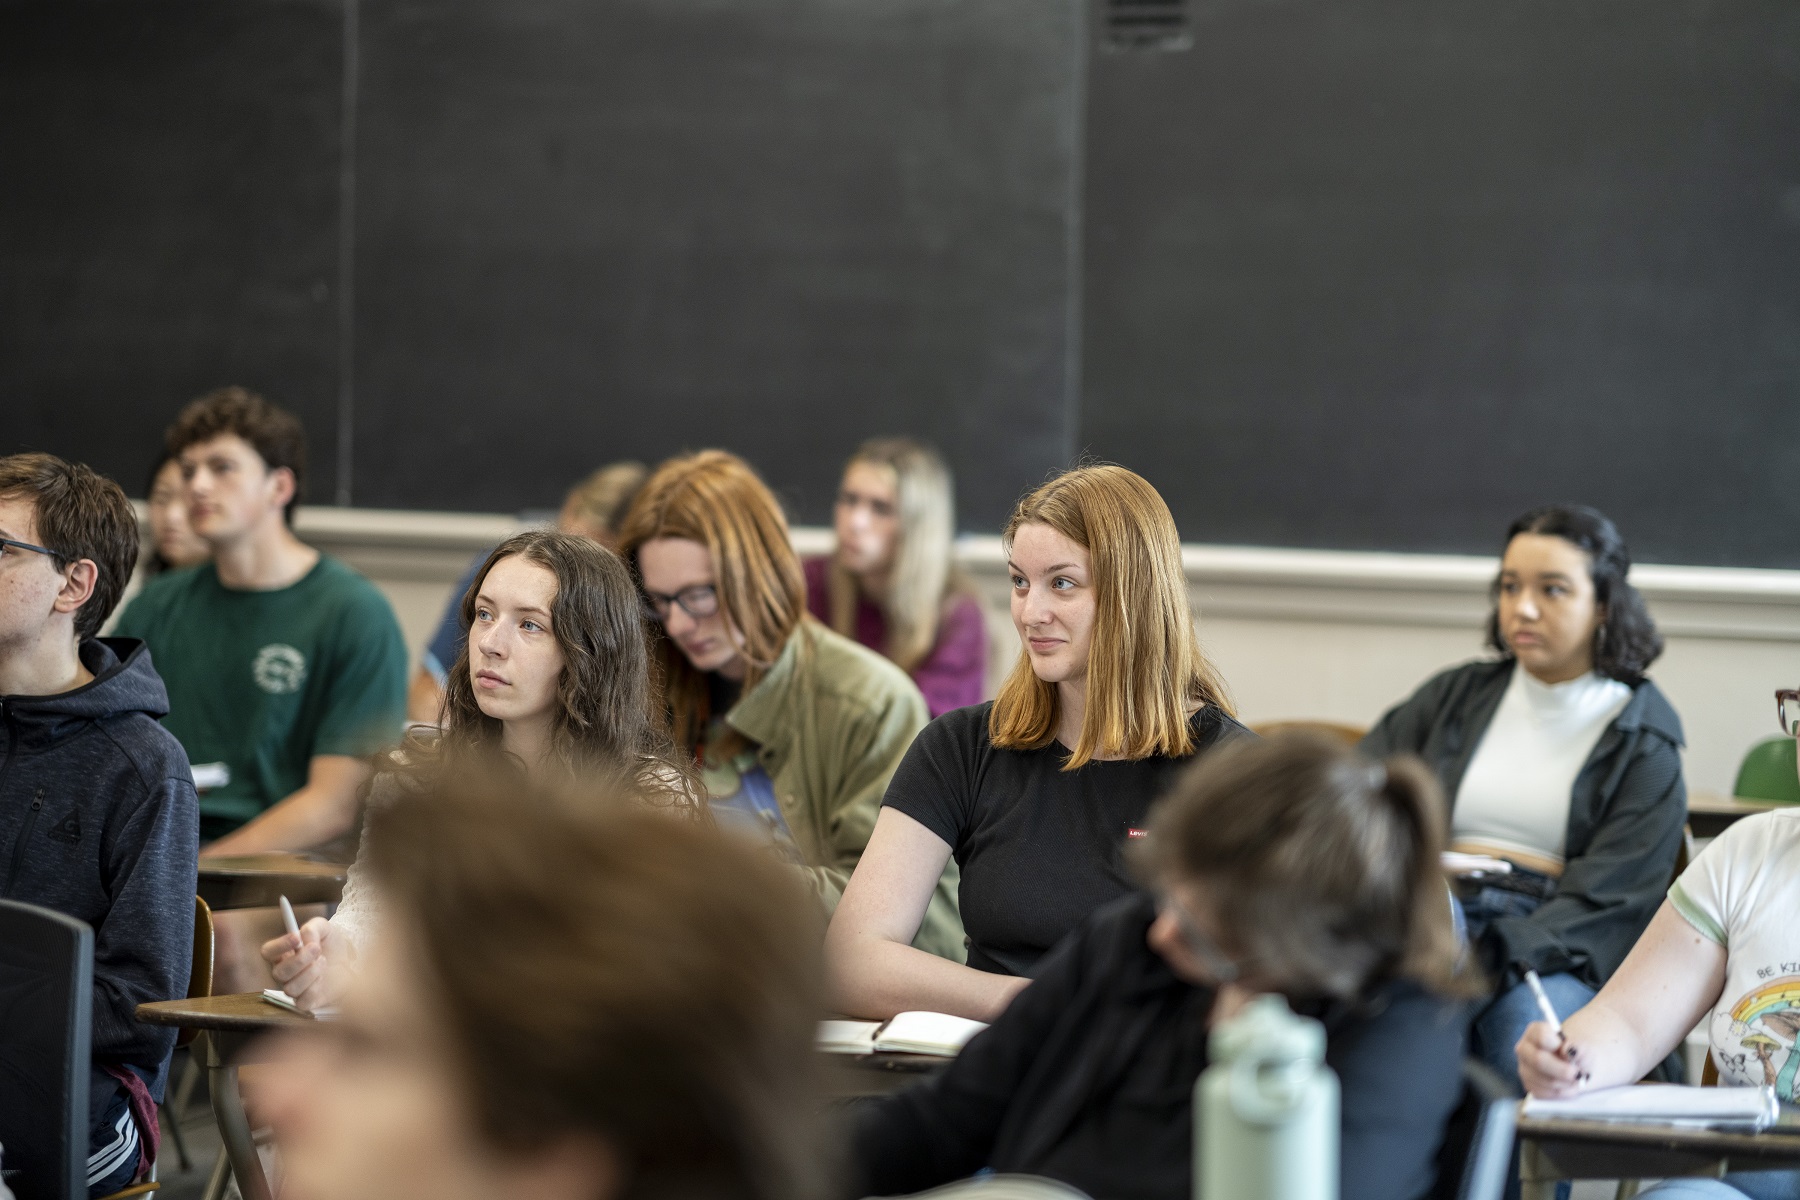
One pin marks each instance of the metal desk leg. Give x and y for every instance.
(234, 1126)
(221, 1174)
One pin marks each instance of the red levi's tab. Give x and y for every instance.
(1136, 834)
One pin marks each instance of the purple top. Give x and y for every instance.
(952, 675)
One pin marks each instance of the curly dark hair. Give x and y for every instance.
(1627, 641)
(606, 722)
(272, 431)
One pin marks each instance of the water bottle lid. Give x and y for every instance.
(1267, 1030)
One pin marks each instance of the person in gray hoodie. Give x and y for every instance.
(98, 816)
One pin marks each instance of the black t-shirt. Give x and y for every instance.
(1040, 848)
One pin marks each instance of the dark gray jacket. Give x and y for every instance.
(1625, 818)
(98, 819)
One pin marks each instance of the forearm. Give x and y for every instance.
(1611, 1046)
(305, 819)
(874, 978)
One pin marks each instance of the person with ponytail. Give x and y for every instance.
(892, 583)
(1560, 757)
(551, 683)
(1036, 794)
(796, 730)
(1292, 866)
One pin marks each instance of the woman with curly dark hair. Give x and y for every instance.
(1562, 759)
(552, 683)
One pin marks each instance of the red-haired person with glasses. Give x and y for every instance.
(1723, 950)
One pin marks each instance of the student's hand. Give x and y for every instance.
(303, 965)
(1549, 1066)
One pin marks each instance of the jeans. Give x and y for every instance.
(1739, 1185)
(1502, 1023)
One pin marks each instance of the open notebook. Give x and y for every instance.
(1747, 1108)
(905, 1033)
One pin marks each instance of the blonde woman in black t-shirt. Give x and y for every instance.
(1037, 793)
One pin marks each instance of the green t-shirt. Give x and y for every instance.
(261, 682)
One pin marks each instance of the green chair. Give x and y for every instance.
(1768, 772)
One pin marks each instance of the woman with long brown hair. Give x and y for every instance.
(892, 583)
(796, 729)
(553, 682)
(1035, 794)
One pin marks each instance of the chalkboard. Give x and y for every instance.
(597, 231)
(168, 219)
(1384, 273)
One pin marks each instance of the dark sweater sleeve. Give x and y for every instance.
(1610, 890)
(1405, 728)
(1401, 1074)
(144, 948)
(945, 1128)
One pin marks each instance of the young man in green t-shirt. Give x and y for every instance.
(285, 668)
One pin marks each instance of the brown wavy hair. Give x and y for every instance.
(716, 499)
(606, 719)
(1145, 666)
(1322, 865)
(602, 971)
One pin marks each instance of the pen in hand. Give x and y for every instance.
(1543, 1002)
(293, 927)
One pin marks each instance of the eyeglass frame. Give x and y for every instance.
(48, 553)
(657, 604)
(1782, 696)
(1221, 966)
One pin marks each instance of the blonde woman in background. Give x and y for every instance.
(892, 584)
(796, 730)
(1037, 793)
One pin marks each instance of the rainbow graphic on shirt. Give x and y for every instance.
(1765, 1026)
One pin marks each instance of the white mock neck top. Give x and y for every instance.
(1520, 782)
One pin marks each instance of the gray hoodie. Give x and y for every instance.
(98, 819)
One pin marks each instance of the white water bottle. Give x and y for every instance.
(1266, 1110)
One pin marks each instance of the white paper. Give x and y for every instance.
(281, 999)
(210, 775)
(1667, 1104)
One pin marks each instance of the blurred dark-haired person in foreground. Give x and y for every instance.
(552, 682)
(1563, 759)
(97, 810)
(570, 999)
(1292, 866)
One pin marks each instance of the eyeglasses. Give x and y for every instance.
(1218, 964)
(10, 544)
(701, 600)
(1787, 711)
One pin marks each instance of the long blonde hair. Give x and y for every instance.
(923, 576)
(716, 499)
(1145, 666)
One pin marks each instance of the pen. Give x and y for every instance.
(1543, 1002)
(293, 927)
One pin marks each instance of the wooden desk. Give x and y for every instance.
(1552, 1150)
(256, 880)
(226, 1024)
(1709, 813)
(849, 1076)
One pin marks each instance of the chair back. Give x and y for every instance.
(1475, 1161)
(1350, 735)
(1767, 772)
(46, 1030)
(200, 976)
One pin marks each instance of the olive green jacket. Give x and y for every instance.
(831, 722)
